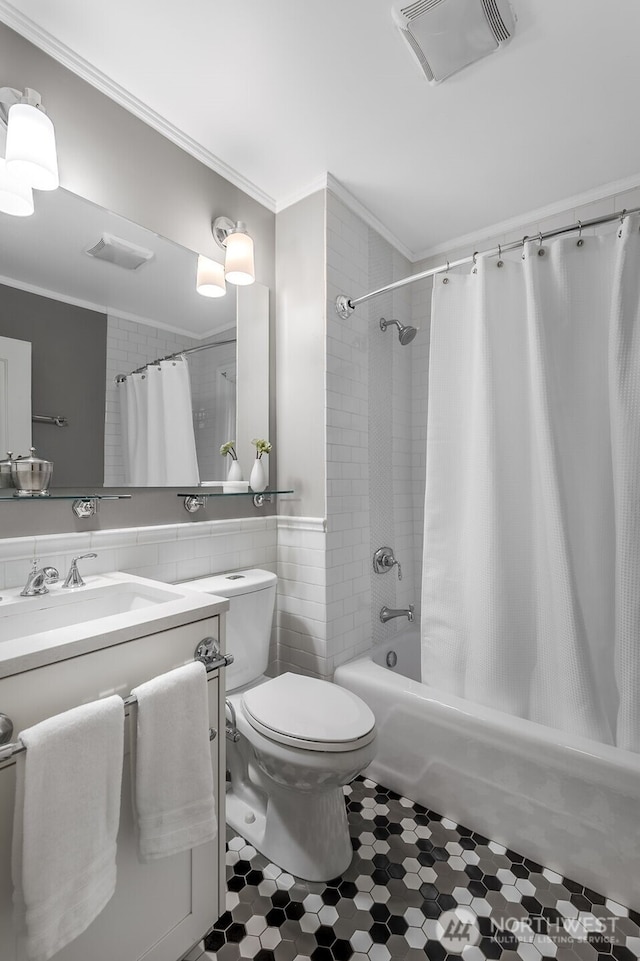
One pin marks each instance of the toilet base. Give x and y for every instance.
(304, 834)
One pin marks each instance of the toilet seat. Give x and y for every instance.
(308, 713)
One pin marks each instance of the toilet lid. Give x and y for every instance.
(314, 714)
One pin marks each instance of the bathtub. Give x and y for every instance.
(563, 801)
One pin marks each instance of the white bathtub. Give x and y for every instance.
(564, 801)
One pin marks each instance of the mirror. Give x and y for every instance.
(89, 320)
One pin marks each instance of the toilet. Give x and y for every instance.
(299, 741)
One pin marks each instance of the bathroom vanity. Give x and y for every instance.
(71, 647)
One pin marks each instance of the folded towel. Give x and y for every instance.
(174, 803)
(67, 812)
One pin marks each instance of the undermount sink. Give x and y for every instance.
(109, 609)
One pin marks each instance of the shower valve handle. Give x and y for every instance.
(384, 561)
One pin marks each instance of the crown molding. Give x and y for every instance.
(327, 181)
(358, 208)
(46, 42)
(603, 192)
(320, 183)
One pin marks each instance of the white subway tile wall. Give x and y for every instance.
(171, 553)
(348, 558)
(302, 610)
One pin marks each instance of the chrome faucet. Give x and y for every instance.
(38, 579)
(388, 613)
(73, 578)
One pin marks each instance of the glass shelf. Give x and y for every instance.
(82, 505)
(214, 492)
(9, 494)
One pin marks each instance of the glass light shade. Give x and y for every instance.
(16, 198)
(210, 278)
(238, 262)
(31, 147)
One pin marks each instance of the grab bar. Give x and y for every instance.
(212, 662)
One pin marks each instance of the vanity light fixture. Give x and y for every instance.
(210, 278)
(31, 140)
(238, 246)
(30, 158)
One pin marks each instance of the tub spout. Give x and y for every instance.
(387, 613)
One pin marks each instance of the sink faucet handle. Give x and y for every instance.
(74, 578)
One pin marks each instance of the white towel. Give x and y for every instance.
(66, 819)
(174, 802)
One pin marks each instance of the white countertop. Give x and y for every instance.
(40, 630)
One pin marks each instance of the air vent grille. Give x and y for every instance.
(417, 49)
(496, 21)
(120, 252)
(416, 9)
(445, 36)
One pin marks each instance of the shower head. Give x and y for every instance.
(405, 333)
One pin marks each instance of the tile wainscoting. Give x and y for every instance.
(315, 597)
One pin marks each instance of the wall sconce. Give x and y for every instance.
(238, 246)
(210, 278)
(31, 160)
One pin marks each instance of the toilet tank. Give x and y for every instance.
(252, 598)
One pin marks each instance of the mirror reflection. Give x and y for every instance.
(93, 298)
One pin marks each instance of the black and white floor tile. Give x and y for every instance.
(411, 870)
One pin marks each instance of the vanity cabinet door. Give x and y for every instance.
(159, 909)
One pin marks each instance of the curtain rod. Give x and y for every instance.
(189, 350)
(345, 306)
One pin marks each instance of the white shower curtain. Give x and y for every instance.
(157, 427)
(531, 572)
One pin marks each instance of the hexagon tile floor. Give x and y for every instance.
(411, 870)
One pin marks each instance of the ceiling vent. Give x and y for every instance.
(448, 35)
(120, 252)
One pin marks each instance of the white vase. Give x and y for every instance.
(235, 471)
(257, 481)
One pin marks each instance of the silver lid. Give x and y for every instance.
(35, 463)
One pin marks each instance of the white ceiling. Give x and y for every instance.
(284, 91)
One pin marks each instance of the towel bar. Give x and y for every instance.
(212, 662)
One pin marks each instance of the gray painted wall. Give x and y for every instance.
(113, 159)
(68, 372)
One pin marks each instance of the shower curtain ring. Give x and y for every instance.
(580, 242)
(524, 240)
(475, 262)
(445, 280)
(500, 262)
(622, 216)
(541, 249)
